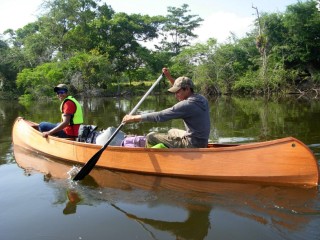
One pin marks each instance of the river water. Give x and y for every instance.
(38, 201)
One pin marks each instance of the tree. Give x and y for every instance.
(178, 29)
(302, 22)
(67, 25)
(26, 46)
(293, 45)
(262, 45)
(88, 71)
(120, 36)
(4, 65)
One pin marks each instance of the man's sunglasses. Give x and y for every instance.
(61, 92)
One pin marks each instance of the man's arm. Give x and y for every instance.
(166, 72)
(131, 118)
(65, 122)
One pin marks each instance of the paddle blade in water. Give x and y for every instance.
(89, 166)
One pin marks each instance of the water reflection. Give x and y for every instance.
(182, 208)
(73, 200)
(8, 112)
(264, 119)
(196, 225)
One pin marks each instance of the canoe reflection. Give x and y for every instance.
(282, 208)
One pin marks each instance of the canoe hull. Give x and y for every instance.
(284, 161)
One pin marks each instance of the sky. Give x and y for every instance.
(220, 16)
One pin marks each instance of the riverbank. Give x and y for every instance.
(303, 89)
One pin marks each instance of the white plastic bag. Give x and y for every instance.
(106, 134)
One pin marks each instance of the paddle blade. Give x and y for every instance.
(89, 166)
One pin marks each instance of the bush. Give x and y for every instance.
(249, 83)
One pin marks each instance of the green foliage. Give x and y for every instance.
(120, 38)
(222, 65)
(5, 71)
(294, 35)
(249, 83)
(157, 60)
(66, 24)
(316, 77)
(39, 82)
(93, 70)
(302, 22)
(178, 29)
(191, 62)
(83, 71)
(27, 99)
(88, 45)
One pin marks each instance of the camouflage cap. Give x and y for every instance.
(181, 82)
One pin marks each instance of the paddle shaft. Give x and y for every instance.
(86, 169)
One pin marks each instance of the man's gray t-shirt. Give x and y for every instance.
(195, 113)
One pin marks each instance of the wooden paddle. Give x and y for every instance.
(86, 169)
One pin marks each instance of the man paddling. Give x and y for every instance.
(71, 116)
(192, 108)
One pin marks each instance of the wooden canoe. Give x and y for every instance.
(285, 161)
